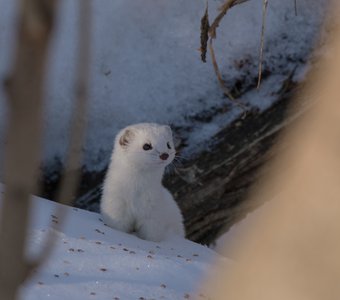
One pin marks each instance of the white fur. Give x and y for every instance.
(134, 199)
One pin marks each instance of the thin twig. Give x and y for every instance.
(226, 91)
(224, 9)
(212, 35)
(295, 7)
(264, 14)
(218, 73)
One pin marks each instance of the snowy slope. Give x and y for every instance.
(146, 66)
(93, 261)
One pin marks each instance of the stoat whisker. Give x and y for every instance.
(181, 156)
(178, 161)
(171, 169)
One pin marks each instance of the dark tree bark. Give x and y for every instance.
(212, 189)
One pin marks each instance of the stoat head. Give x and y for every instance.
(146, 145)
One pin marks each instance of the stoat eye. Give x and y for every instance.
(147, 147)
(168, 145)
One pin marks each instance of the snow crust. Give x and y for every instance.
(93, 261)
(146, 64)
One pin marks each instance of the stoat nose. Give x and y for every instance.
(164, 156)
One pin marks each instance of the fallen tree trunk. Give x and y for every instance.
(212, 189)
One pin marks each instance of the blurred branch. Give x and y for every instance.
(25, 94)
(71, 177)
(25, 132)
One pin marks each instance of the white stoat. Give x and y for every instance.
(134, 199)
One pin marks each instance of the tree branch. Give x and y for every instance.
(25, 98)
(71, 177)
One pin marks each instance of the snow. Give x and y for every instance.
(146, 66)
(93, 261)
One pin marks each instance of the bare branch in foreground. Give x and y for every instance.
(71, 176)
(25, 100)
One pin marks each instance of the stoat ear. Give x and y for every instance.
(126, 138)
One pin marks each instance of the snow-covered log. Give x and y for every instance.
(212, 189)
